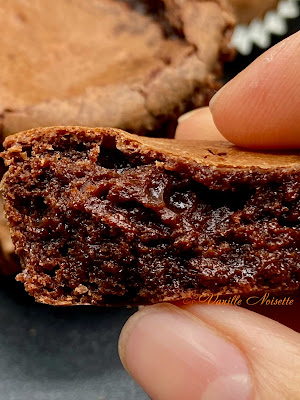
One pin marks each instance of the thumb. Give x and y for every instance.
(259, 108)
(210, 352)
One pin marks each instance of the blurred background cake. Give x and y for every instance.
(247, 10)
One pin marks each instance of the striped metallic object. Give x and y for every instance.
(259, 31)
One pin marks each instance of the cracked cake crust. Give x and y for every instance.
(119, 68)
(99, 216)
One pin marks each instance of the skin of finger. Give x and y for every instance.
(162, 354)
(198, 125)
(283, 314)
(259, 108)
(273, 349)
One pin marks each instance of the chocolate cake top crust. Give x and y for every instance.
(214, 153)
(99, 216)
(102, 62)
(247, 10)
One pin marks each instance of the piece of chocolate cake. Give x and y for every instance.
(133, 64)
(99, 216)
(9, 262)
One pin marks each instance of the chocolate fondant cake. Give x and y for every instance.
(247, 10)
(9, 263)
(133, 64)
(99, 216)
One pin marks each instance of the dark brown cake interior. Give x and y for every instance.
(93, 224)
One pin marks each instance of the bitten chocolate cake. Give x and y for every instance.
(133, 64)
(99, 216)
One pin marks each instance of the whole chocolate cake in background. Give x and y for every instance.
(247, 10)
(109, 63)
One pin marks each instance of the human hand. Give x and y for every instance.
(259, 108)
(213, 352)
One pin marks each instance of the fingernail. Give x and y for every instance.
(187, 115)
(174, 355)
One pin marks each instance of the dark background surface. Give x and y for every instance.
(60, 353)
(49, 353)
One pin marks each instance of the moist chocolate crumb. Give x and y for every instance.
(102, 217)
(9, 262)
